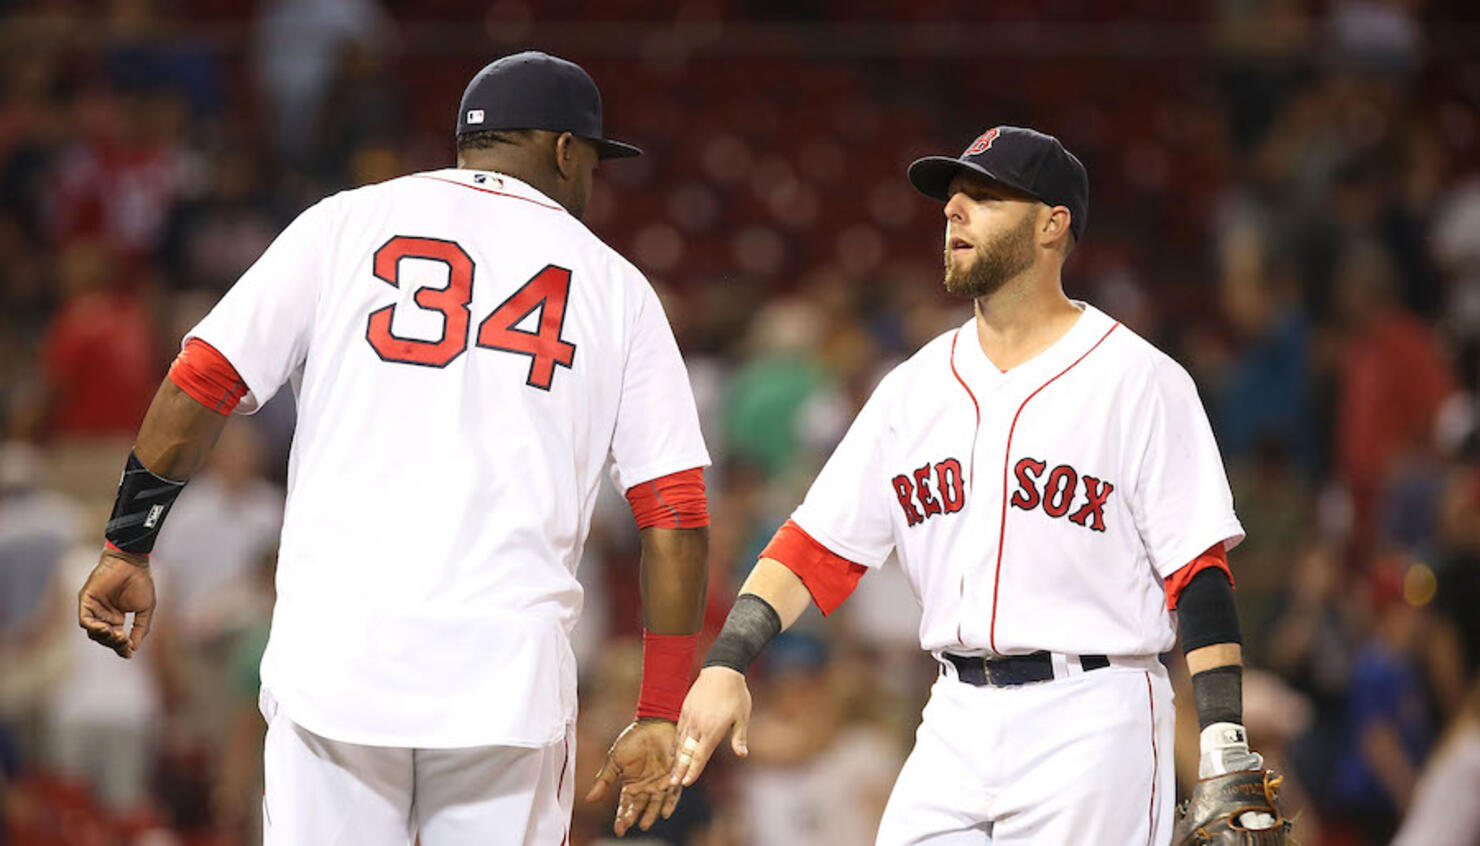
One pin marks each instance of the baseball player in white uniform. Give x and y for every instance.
(1051, 487)
(466, 358)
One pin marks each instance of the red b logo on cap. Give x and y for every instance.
(983, 142)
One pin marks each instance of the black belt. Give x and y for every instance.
(1012, 670)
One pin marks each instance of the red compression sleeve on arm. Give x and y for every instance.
(829, 577)
(675, 501)
(667, 665)
(201, 371)
(1214, 557)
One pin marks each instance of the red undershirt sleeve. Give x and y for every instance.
(202, 372)
(1214, 558)
(675, 501)
(830, 578)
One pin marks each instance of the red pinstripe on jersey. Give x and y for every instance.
(971, 459)
(1155, 762)
(1006, 463)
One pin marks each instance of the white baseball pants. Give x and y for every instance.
(322, 792)
(1085, 758)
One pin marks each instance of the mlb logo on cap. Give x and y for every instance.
(475, 116)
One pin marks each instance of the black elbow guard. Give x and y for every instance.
(1206, 614)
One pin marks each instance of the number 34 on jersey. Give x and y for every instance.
(545, 293)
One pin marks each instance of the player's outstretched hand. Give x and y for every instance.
(121, 583)
(719, 699)
(640, 760)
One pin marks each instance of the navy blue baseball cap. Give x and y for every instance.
(534, 90)
(1025, 159)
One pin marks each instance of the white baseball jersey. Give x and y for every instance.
(1036, 509)
(466, 357)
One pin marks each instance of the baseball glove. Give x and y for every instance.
(1237, 809)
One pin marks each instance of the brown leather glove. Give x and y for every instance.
(1236, 809)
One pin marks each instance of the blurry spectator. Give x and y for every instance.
(1388, 724)
(100, 360)
(103, 712)
(37, 527)
(298, 43)
(1264, 398)
(1264, 53)
(1392, 380)
(1457, 569)
(207, 560)
(1444, 811)
(782, 392)
(216, 535)
(211, 240)
(1276, 509)
(237, 792)
(119, 181)
(817, 774)
(31, 129)
(1276, 715)
(1456, 249)
(146, 52)
(363, 113)
(1311, 644)
(1376, 35)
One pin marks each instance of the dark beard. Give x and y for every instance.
(997, 262)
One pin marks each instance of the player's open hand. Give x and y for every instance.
(719, 699)
(640, 760)
(120, 584)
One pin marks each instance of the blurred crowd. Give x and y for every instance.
(1285, 197)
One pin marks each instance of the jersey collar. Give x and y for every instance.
(976, 367)
(494, 182)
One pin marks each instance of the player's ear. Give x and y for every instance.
(565, 155)
(1054, 227)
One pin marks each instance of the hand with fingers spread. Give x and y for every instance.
(718, 700)
(640, 761)
(120, 584)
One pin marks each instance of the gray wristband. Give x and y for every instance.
(1219, 695)
(751, 625)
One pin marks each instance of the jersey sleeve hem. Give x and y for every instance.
(1229, 533)
(828, 577)
(627, 480)
(255, 397)
(830, 542)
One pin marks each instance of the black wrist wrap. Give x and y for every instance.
(1219, 694)
(751, 625)
(1206, 614)
(139, 511)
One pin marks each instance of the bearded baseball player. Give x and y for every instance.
(1052, 489)
(466, 356)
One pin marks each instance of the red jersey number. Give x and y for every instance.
(451, 301)
(544, 295)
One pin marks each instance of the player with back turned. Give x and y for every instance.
(1051, 487)
(466, 357)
